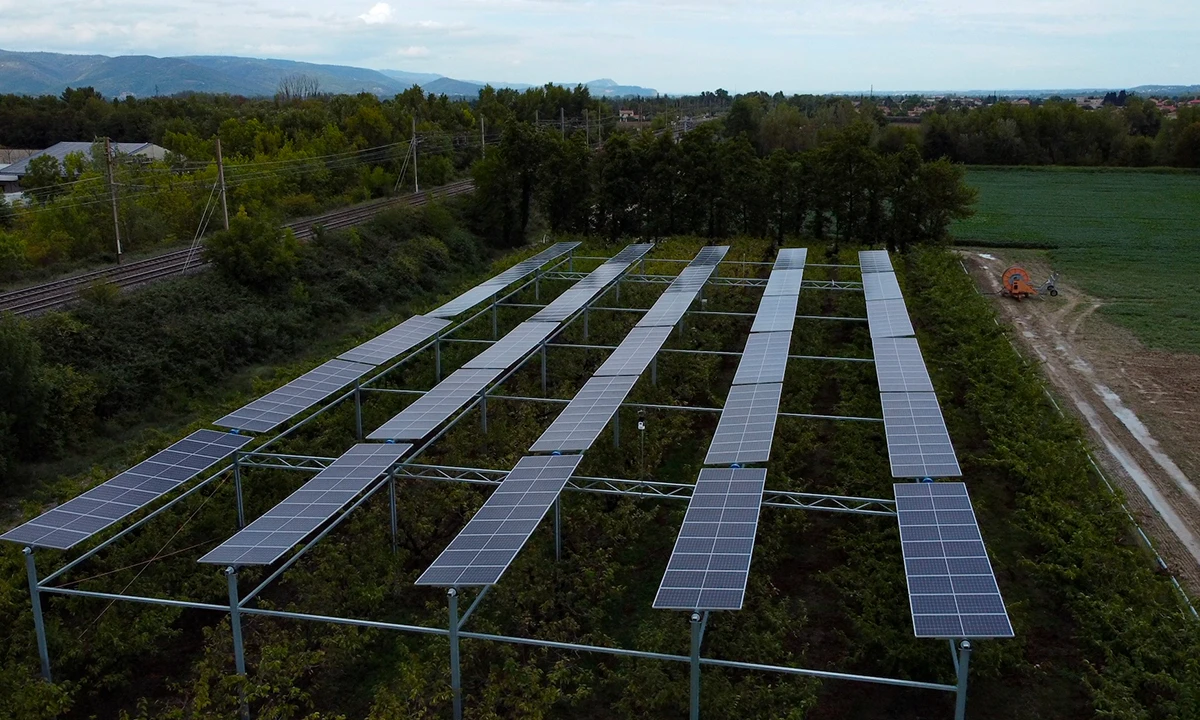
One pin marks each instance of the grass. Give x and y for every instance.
(1130, 238)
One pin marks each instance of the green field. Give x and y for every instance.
(1130, 237)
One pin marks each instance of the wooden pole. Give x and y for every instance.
(112, 191)
(221, 176)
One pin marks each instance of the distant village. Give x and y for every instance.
(914, 106)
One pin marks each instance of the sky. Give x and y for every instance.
(673, 46)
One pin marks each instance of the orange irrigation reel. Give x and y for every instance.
(1016, 283)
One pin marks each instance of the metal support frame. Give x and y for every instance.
(358, 428)
(237, 489)
(240, 605)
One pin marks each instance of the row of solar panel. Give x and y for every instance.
(918, 443)
(485, 548)
(104, 505)
(710, 563)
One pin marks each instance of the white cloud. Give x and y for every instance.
(379, 13)
(412, 51)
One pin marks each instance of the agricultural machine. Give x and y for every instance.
(1016, 283)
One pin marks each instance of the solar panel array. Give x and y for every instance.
(400, 339)
(791, 259)
(518, 343)
(710, 562)
(580, 423)
(776, 313)
(952, 589)
(487, 289)
(76, 520)
(918, 444)
(874, 261)
(284, 526)
(485, 548)
(436, 406)
(900, 367)
(294, 398)
(635, 352)
(764, 359)
(583, 292)
(747, 425)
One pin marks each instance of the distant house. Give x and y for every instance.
(8, 182)
(629, 116)
(141, 151)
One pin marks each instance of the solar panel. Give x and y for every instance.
(889, 318)
(710, 255)
(764, 359)
(784, 282)
(405, 336)
(294, 398)
(631, 253)
(635, 352)
(485, 290)
(436, 406)
(776, 313)
(565, 305)
(952, 589)
(76, 520)
(284, 526)
(747, 425)
(691, 279)
(585, 290)
(791, 259)
(584, 418)
(918, 443)
(513, 346)
(710, 563)
(899, 366)
(668, 310)
(485, 548)
(874, 261)
(881, 286)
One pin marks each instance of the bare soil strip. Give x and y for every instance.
(1138, 405)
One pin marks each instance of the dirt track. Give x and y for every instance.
(1138, 405)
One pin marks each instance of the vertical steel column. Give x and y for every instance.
(618, 292)
(437, 357)
(495, 320)
(697, 636)
(391, 481)
(964, 659)
(558, 528)
(455, 679)
(537, 285)
(617, 428)
(571, 260)
(585, 323)
(358, 410)
(654, 371)
(483, 410)
(39, 627)
(235, 622)
(544, 367)
(237, 488)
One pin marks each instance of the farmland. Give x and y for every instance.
(1128, 237)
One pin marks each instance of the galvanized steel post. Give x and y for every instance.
(391, 481)
(558, 528)
(358, 410)
(237, 489)
(697, 637)
(495, 320)
(239, 653)
(437, 357)
(544, 367)
(964, 660)
(455, 679)
(39, 626)
(586, 313)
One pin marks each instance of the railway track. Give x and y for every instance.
(57, 293)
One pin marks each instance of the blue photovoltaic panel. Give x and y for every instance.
(581, 422)
(485, 290)
(518, 343)
(287, 402)
(918, 443)
(881, 286)
(874, 261)
(265, 540)
(485, 548)
(402, 338)
(791, 259)
(669, 309)
(784, 282)
(711, 255)
(635, 352)
(78, 519)
(710, 563)
(436, 406)
(776, 313)
(583, 292)
(888, 318)
(952, 589)
(764, 360)
(899, 366)
(747, 425)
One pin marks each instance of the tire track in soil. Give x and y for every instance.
(1157, 490)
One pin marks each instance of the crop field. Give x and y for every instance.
(1098, 633)
(1127, 237)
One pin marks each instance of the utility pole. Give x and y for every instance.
(112, 191)
(221, 177)
(562, 123)
(482, 139)
(416, 184)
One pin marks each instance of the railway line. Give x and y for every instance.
(57, 293)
